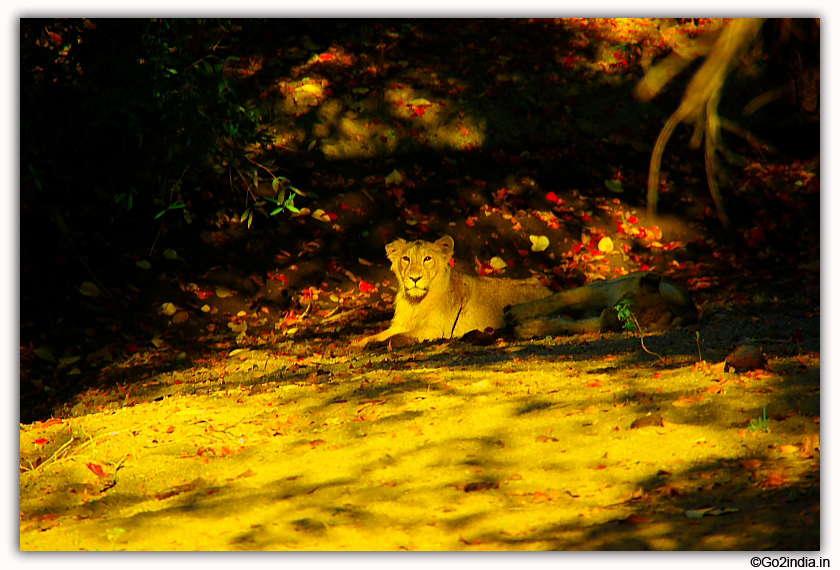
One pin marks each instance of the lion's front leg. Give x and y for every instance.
(379, 337)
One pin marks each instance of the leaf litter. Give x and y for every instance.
(262, 430)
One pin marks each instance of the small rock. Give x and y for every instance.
(745, 358)
(653, 420)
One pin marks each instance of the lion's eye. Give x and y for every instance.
(406, 258)
(428, 258)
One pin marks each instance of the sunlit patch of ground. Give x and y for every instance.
(450, 448)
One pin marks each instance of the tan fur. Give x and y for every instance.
(435, 301)
(658, 303)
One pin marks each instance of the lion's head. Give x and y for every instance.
(420, 265)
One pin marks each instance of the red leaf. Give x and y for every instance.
(366, 287)
(41, 440)
(97, 469)
(552, 197)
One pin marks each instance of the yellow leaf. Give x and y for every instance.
(789, 449)
(421, 102)
(88, 289)
(168, 309)
(539, 243)
(394, 178)
(143, 264)
(320, 215)
(239, 328)
(605, 245)
(223, 292)
(498, 263)
(311, 88)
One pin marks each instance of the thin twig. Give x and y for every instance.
(642, 338)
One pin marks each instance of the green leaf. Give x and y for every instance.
(45, 353)
(89, 289)
(614, 186)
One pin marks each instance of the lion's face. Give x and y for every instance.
(418, 265)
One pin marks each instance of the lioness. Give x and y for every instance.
(435, 301)
(658, 303)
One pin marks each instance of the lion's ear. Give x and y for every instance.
(446, 244)
(395, 247)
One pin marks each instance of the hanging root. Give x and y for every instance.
(699, 103)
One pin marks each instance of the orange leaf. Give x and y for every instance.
(97, 469)
(774, 479)
(751, 464)
(545, 438)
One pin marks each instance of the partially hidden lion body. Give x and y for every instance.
(435, 301)
(656, 302)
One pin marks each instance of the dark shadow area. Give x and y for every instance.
(551, 123)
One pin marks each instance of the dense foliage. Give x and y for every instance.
(123, 114)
